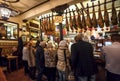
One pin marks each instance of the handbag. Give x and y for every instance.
(71, 76)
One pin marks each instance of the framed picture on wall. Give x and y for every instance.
(24, 38)
(9, 30)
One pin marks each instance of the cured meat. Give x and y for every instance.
(45, 24)
(67, 25)
(114, 15)
(70, 21)
(79, 22)
(100, 18)
(94, 20)
(74, 20)
(83, 20)
(53, 25)
(49, 24)
(88, 20)
(106, 16)
(119, 16)
(41, 25)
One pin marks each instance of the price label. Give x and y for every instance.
(58, 19)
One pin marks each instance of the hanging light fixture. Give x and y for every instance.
(5, 11)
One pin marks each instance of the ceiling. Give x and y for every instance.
(23, 6)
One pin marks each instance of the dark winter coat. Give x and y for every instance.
(40, 61)
(82, 59)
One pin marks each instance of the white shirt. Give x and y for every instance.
(25, 54)
(112, 57)
(69, 46)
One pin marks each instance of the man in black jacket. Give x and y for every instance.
(40, 61)
(82, 60)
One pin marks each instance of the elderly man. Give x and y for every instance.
(82, 60)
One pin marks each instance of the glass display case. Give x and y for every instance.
(8, 30)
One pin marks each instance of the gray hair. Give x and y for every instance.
(79, 37)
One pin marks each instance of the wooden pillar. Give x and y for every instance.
(61, 33)
(60, 26)
(60, 10)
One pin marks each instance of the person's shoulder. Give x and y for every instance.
(25, 48)
(74, 44)
(39, 47)
(45, 49)
(105, 47)
(87, 42)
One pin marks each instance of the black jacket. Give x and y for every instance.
(40, 61)
(82, 59)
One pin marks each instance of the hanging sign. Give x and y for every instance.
(58, 19)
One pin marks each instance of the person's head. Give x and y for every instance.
(14, 49)
(43, 44)
(26, 43)
(115, 37)
(37, 43)
(49, 45)
(63, 44)
(78, 37)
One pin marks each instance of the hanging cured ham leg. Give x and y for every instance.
(100, 18)
(44, 24)
(106, 17)
(74, 21)
(79, 22)
(67, 26)
(94, 20)
(88, 20)
(49, 24)
(119, 18)
(70, 21)
(114, 15)
(53, 25)
(83, 20)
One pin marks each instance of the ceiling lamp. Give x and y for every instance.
(11, 1)
(5, 12)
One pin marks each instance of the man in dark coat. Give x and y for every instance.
(40, 61)
(82, 60)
